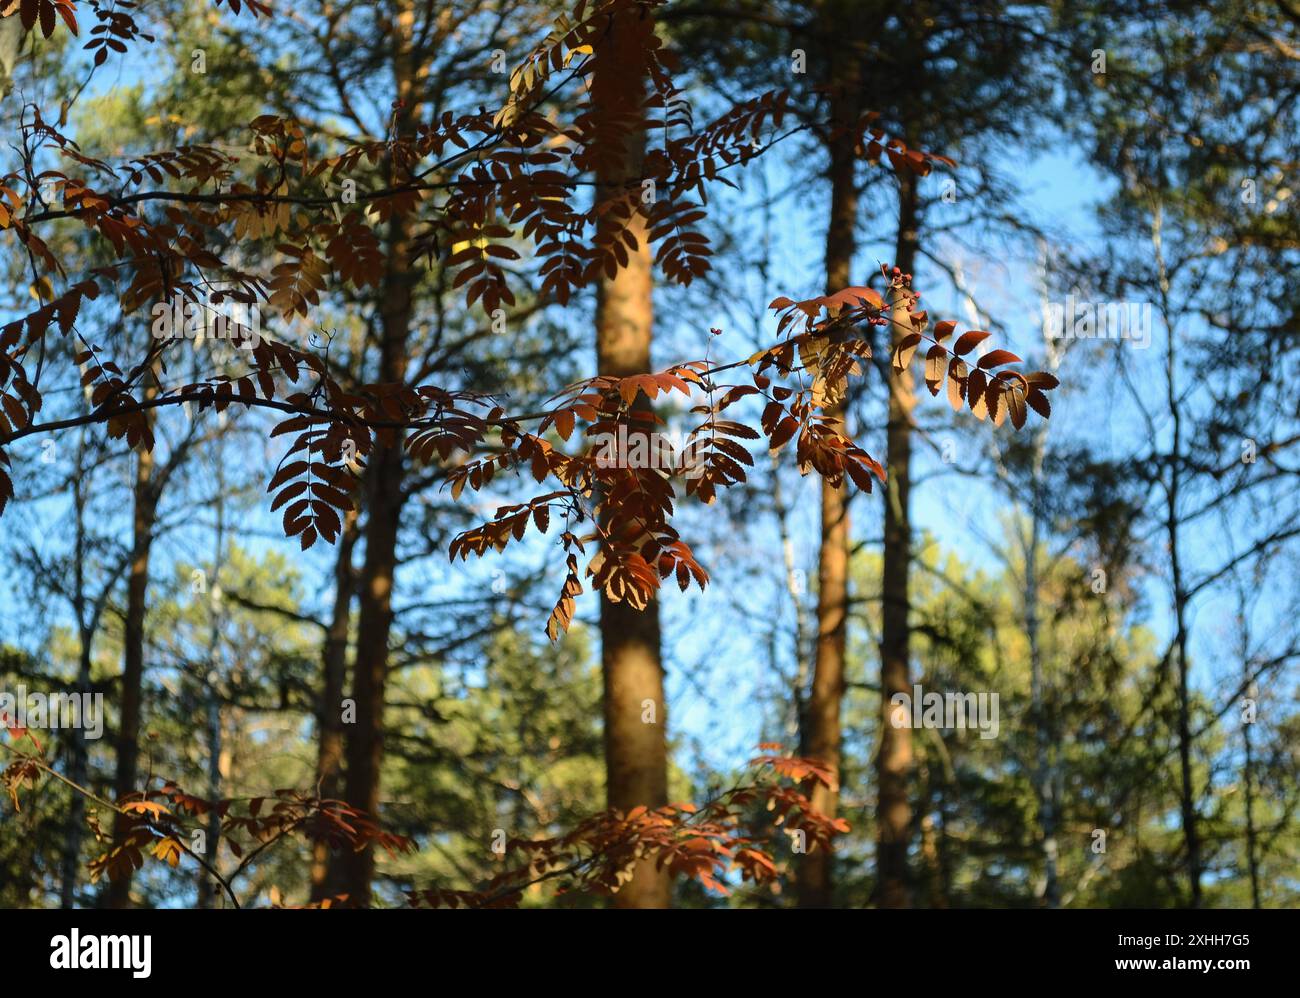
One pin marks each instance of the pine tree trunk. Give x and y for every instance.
(636, 754)
(137, 584)
(383, 499)
(894, 760)
(334, 665)
(383, 504)
(821, 735)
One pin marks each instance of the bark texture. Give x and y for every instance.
(894, 759)
(636, 755)
(383, 499)
(144, 514)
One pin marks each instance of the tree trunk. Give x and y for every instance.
(213, 685)
(132, 691)
(894, 761)
(78, 762)
(1046, 778)
(933, 863)
(1248, 774)
(1173, 537)
(1187, 788)
(636, 753)
(383, 503)
(1044, 774)
(820, 734)
(78, 766)
(329, 718)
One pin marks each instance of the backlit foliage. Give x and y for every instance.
(708, 843)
